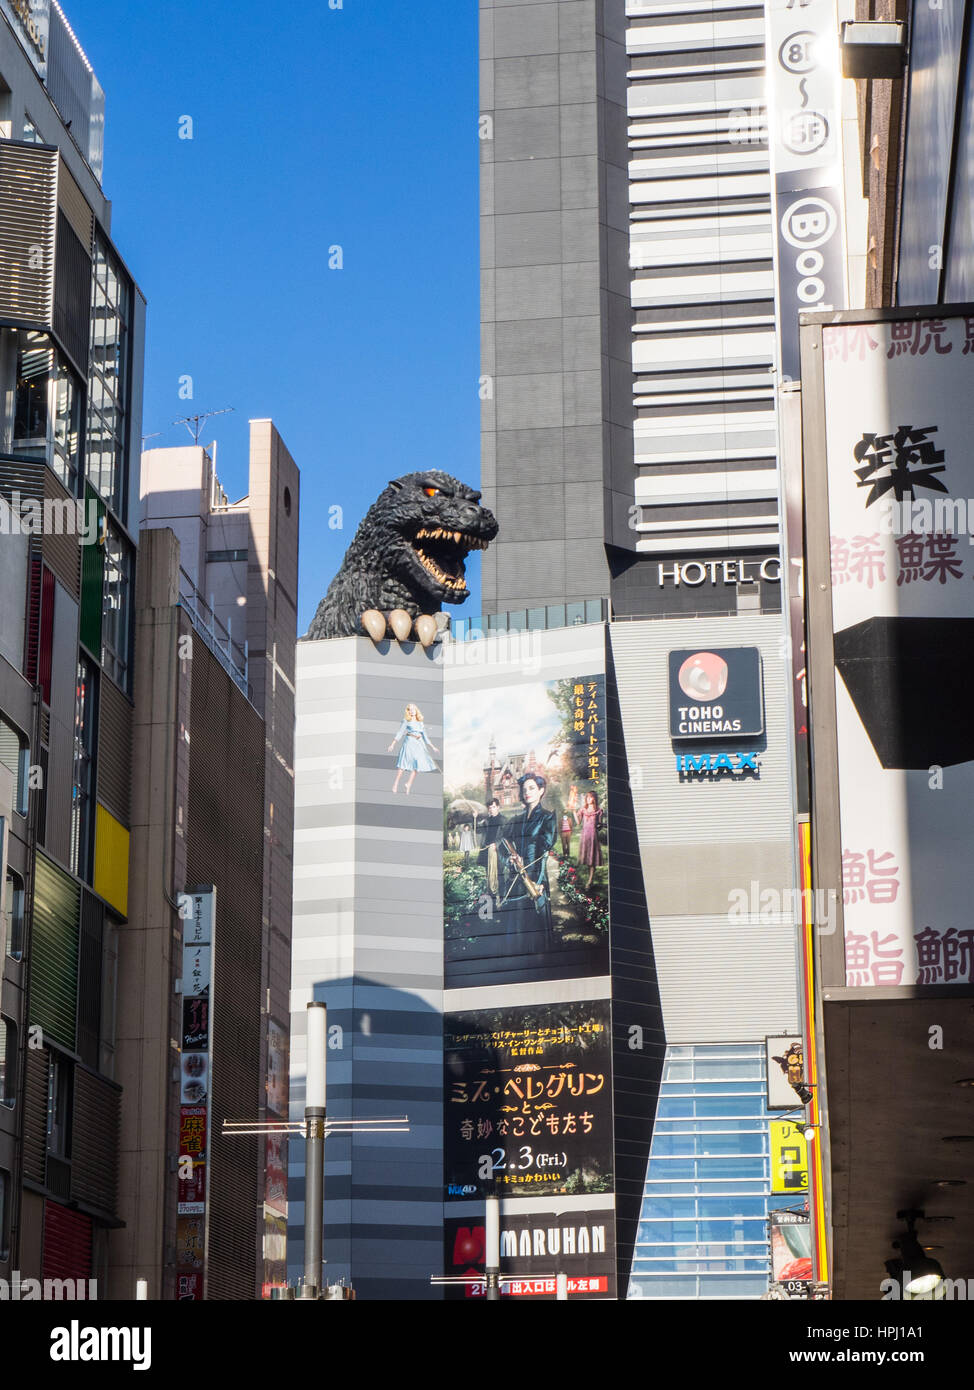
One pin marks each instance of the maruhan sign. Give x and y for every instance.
(553, 1240)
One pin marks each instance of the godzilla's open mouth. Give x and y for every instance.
(442, 554)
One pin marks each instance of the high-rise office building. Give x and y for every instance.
(671, 513)
(72, 328)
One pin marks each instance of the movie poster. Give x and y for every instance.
(525, 833)
(528, 1101)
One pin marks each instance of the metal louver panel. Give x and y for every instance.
(75, 206)
(63, 552)
(115, 753)
(28, 219)
(32, 627)
(225, 808)
(35, 1114)
(94, 1141)
(23, 476)
(72, 293)
(89, 977)
(67, 1243)
(54, 953)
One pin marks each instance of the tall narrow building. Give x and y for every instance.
(204, 967)
(71, 348)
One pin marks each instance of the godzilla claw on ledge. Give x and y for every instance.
(400, 625)
(407, 559)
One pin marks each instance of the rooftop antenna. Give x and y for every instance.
(195, 423)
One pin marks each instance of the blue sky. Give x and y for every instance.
(312, 127)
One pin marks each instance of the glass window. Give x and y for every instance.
(58, 1105)
(110, 313)
(84, 741)
(14, 908)
(67, 425)
(117, 607)
(704, 1215)
(46, 408)
(35, 358)
(15, 757)
(8, 1062)
(4, 1215)
(32, 136)
(715, 1068)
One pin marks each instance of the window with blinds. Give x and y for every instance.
(14, 756)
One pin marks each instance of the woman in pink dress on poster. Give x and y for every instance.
(589, 847)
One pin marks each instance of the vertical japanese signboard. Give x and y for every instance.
(790, 1234)
(197, 911)
(804, 127)
(889, 482)
(789, 1158)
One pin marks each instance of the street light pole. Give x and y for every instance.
(492, 1248)
(314, 1114)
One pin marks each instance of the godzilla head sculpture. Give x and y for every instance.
(407, 557)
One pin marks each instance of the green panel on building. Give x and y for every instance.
(54, 954)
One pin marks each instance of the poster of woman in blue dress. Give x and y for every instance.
(415, 749)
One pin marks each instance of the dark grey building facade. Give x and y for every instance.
(556, 315)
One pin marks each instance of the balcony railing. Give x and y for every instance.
(231, 656)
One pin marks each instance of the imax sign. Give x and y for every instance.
(712, 766)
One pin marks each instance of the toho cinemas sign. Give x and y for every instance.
(716, 694)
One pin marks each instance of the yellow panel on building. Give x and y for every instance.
(789, 1158)
(111, 860)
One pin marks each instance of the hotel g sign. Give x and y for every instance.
(691, 573)
(31, 21)
(715, 693)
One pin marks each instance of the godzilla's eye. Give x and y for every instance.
(432, 491)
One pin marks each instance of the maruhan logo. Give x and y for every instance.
(77, 1343)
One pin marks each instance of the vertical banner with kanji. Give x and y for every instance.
(789, 1159)
(197, 911)
(898, 413)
